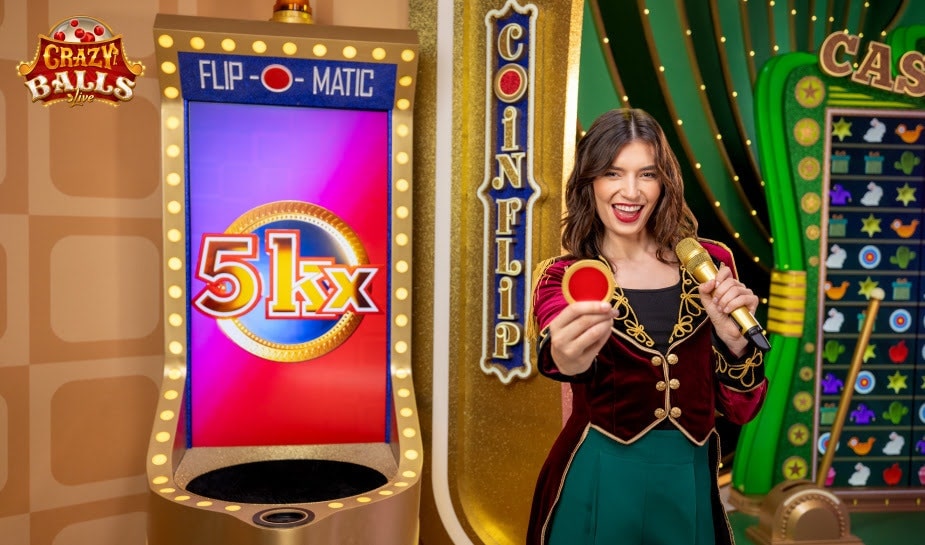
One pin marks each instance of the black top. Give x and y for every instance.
(657, 310)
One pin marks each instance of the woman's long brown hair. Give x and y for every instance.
(672, 220)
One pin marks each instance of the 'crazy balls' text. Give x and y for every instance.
(81, 62)
(83, 69)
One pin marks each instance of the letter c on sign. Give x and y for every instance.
(829, 51)
(506, 41)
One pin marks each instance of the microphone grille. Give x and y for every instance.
(691, 253)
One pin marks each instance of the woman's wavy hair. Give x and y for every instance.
(672, 220)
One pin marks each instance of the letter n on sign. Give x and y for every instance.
(509, 190)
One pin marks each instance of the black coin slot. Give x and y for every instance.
(286, 517)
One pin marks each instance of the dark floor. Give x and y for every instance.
(906, 528)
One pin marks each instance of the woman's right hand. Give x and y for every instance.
(577, 334)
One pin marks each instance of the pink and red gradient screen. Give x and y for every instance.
(241, 157)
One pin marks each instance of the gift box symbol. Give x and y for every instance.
(840, 162)
(873, 163)
(902, 289)
(838, 226)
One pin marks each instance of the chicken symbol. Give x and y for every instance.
(909, 136)
(904, 231)
(836, 292)
(859, 448)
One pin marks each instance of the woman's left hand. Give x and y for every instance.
(722, 295)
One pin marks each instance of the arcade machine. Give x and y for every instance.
(842, 150)
(287, 412)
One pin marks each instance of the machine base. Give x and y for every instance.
(800, 513)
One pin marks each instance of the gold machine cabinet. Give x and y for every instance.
(287, 278)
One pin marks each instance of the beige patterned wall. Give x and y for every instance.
(81, 329)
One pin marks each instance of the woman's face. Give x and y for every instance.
(626, 195)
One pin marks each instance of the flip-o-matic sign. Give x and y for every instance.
(509, 190)
(287, 82)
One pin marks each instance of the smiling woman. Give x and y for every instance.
(650, 366)
(629, 191)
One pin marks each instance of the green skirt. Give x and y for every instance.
(655, 491)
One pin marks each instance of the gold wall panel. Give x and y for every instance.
(487, 437)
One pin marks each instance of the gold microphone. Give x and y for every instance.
(696, 259)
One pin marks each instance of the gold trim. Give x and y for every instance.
(897, 16)
(785, 315)
(346, 324)
(741, 372)
(747, 43)
(719, 38)
(787, 303)
(521, 91)
(792, 304)
(608, 54)
(785, 330)
(789, 292)
(714, 128)
(568, 465)
(177, 517)
(682, 135)
(588, 264)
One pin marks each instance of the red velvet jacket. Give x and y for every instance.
(631, 387)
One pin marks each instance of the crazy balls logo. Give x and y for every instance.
(82, 61)
(287, 281)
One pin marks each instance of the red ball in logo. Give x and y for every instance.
(510, 83)
(276, 78)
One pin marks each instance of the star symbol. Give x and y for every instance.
(869, 352)
(806, 131)
(867, 286)
(798, 434)
(809, 91)
(905, 194)
(796, 469)
(871, 225)
(802, 401)
(808, 168)
(897, 382)
(841, 129)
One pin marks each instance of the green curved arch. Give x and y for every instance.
(753, 466)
